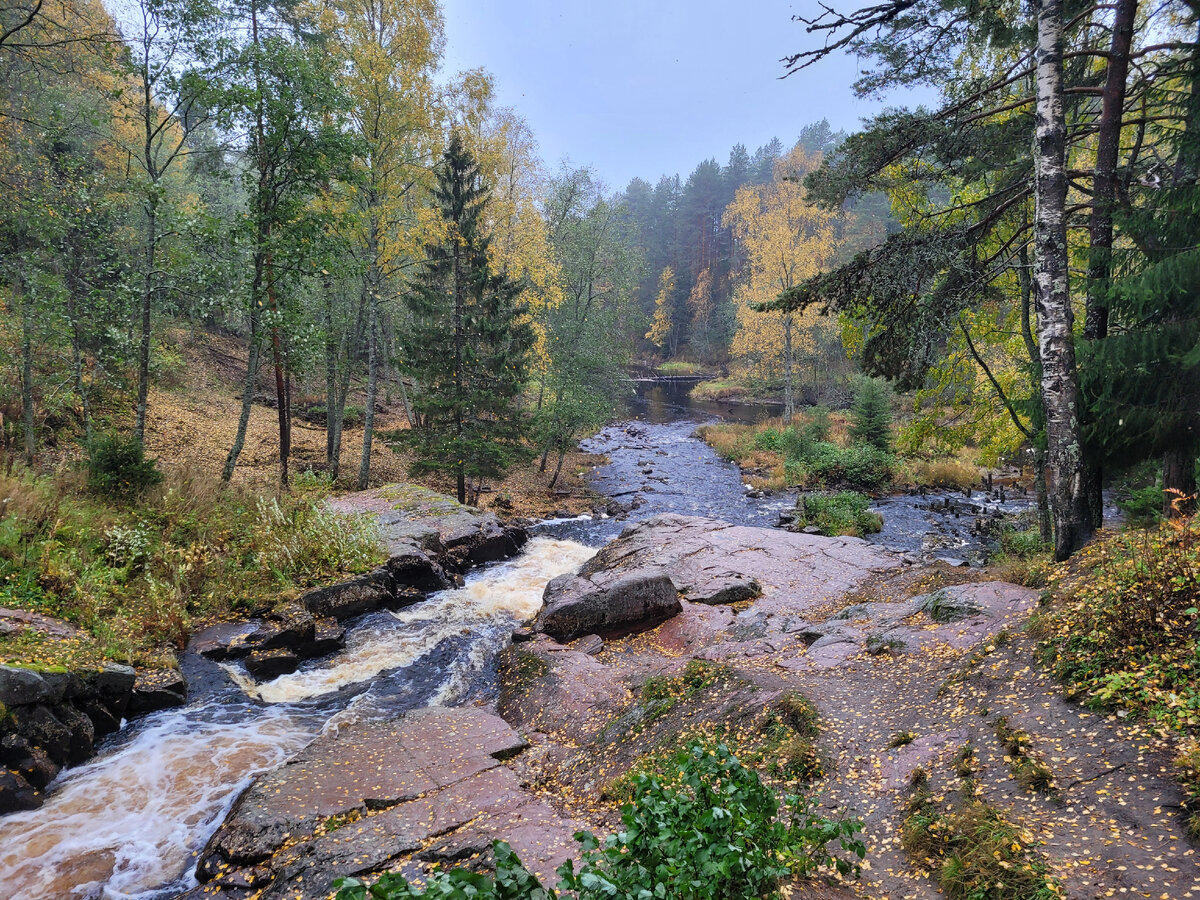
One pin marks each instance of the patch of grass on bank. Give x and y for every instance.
(1123, 630)
(975, 852)
(720, 389)
(842, 513)
(679, 367)
(134, 572)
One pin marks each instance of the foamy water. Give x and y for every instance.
(126, 824)
(494, 599)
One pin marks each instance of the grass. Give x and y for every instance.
(679, 367)
(720, 389)
(900, 739)
(841, 513)
(812, 451)
(1122, 629)
(135, 575)
(1028, 771)
(975, 852)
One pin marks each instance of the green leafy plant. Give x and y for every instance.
(708, 830)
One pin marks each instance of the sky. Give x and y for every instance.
(651, 87)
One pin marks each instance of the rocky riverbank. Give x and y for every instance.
(688, 626)
(53, 719)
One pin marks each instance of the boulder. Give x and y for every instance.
(156, 689)
(16, 793)
(413, 568)
(263, 665)
(14, 621)
(548, 687)
(353, 597)
(634, 601)
(23, 687)
(328, 637)
(42, 728)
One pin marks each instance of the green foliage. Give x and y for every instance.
(1023, 544)
(118, 468)
(1028, 771)
(1188, 765)
(845, 512)
(1142, 506)
(871, 415)
(709, 829)
(1126, 634)
(134, 576)
(468, 343)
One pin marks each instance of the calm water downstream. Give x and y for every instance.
(128, 823)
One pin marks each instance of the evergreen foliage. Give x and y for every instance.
(871, 415)
(468, 343)
(118, 468)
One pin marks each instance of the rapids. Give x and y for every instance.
(129, 823)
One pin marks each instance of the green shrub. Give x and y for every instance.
(768, 439)
(118, 468)
(711, 829)
(818, 426)
(871, 415)
(845, 512)
(1142, 506)
(1127, 636)
(307, 543)
(1022, 544)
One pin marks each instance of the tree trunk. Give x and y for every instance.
(1038, 414)
(277, 361)
(149, 261)
(562, 454)
(26, 371)
(1056, 342)
(239, 438)
(331, 370)
(1179, 481)
(789, 404)
(364, 467)
(1108, 145)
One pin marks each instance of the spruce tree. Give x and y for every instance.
(871, 415)
(469, 341)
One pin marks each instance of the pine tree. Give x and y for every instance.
(468, 347)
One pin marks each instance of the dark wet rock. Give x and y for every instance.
(631, 601)
(412, 567)
(353, 597)
(224, 640)
(22, 687)
(157, 689)
(112, 685)
(16, 793)
(328, 637)
(81, 743)
(287, 628)
(591, 644)
(28, 761)
(42, 728)
(263, 665)
(103, 718)
(521, 635)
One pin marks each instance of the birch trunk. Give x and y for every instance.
(1056, 341)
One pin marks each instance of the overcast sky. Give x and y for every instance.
(646, 87)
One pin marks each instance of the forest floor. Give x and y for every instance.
(193, 415)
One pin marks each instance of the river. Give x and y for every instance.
(129, 823)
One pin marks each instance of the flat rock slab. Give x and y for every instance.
(360, 767)
(15, 621)
(712, 562)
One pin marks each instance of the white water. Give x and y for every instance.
(126, 825)
(492, 600)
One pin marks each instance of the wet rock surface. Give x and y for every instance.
(369, 793)
(54, 719)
